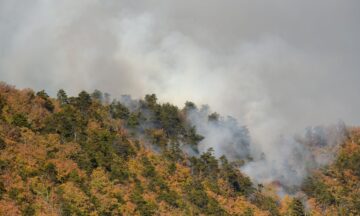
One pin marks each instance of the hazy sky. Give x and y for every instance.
(275, 65)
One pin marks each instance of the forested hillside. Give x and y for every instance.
(89, 155)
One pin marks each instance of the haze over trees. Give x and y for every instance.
(87, 155)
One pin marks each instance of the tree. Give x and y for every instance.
(158, 137)
(134, 119)
(42, 94)
(107, 98)
(149, 170)
(296, 208)
(62, 97)
(248, 212)
(192, 137)
(151, 100)
(170, 120)
(74, 201)
(196, 194)
(237, 181)
(2, 103)
(2, 189)
(206, 165)
(190, 106)
(84, 101)
(171, 197)
(97, 95)
(123, 148)
(174, 153)
(316, 188)
(210, 163)
(51, 172)
(143, 207)
(29, 210)
(214, 117)
(2, 144)
(346, 161)
(107, 197)
(119, 111)
(47, 104)
(67, 123)
(265, 203)
(20, 120)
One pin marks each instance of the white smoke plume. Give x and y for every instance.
(224, 135)
(286, 160)
(290, 159)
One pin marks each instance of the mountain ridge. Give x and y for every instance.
(87, 155)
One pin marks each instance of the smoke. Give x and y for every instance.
(290, 159)
(224, 135)
(277, 70)
(287, 159)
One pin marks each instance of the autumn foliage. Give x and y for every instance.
(86, 155)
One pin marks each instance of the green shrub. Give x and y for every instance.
(20, 120)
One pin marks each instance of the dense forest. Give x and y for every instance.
(91, 155)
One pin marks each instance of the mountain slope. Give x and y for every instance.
(86, 156)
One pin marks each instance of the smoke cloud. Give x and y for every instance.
(277, 66)
(291, 159)
(224, 135)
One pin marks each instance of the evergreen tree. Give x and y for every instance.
(134, 120)
(42, 94)
(97, 95)
(20, 120)
(190, 106)
(296, 208)
(119, 111)
(2, 103)
(62, 97)
(84, 101)
(214, 117)
(151, 100)
(2, 144)
(48, 104)
(170, 120)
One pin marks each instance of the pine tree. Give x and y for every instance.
(62, 97)
(84, 101)
(296, 208)
(97, 95)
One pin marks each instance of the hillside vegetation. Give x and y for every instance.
(87, 155)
